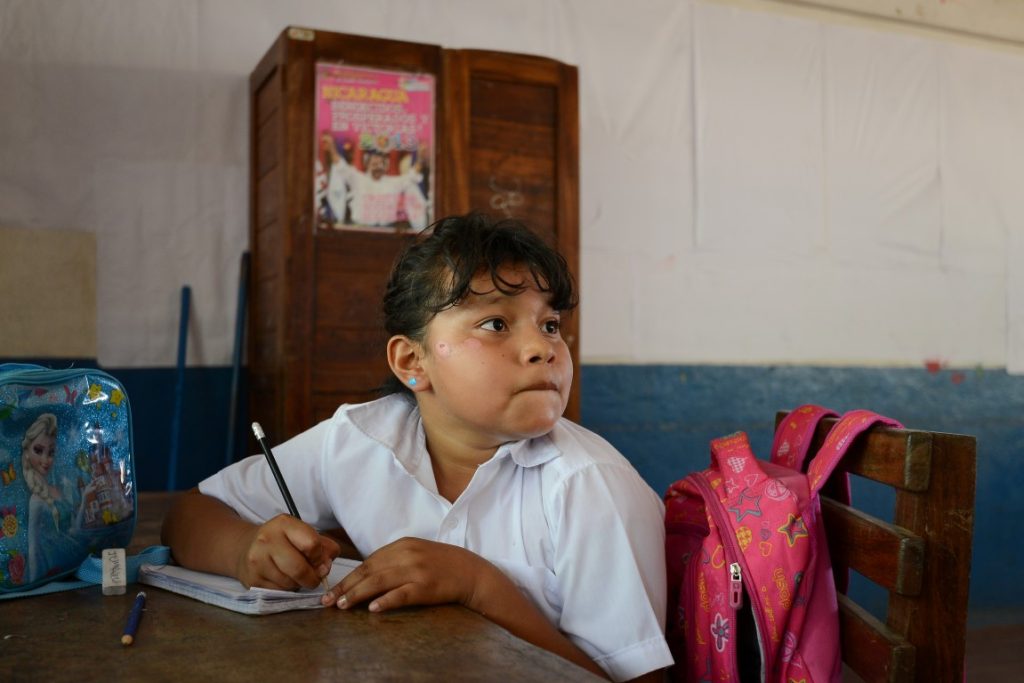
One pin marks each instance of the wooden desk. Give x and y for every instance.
(75, 636)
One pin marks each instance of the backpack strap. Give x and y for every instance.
(737, 465)
(793, 440)
(838, 442)
(794, 434)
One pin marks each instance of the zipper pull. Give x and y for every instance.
(735, 586)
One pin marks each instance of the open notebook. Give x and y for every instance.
(229, 593)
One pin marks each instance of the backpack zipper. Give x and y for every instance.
(24, 372)
(729, 543)
(735, 586)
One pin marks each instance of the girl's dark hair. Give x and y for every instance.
(436, 271)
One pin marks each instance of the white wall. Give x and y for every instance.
(759, 183)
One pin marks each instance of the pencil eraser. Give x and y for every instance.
(114, 579)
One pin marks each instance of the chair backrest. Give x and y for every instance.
(922, 557)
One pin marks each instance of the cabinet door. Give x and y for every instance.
(350, 267)
(315, 335)
(513, 125)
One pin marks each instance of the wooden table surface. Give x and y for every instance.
(75, 636)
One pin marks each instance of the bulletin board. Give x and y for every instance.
(48, 306)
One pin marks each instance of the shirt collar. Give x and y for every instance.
(530, 452)
(394, 422)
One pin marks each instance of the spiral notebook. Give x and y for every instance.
(229, 593)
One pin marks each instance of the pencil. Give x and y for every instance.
(292, 510)
(133, 619)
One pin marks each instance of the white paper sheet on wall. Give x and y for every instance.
(882, 146)
(760, 158)
(982, 159)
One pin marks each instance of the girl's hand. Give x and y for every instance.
(285, 552)
(412, 571)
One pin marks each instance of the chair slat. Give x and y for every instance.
(873, 651)
(897, 457)
(887, 554)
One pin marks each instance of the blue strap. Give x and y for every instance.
(90, 572)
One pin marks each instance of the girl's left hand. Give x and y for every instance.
(412, 571)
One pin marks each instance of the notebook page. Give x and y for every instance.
(229, 593)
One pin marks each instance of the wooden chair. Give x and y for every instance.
(922, 557)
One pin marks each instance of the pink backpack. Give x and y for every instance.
(751, 592)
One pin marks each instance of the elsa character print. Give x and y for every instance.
(53, 516)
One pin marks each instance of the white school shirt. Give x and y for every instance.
(564, 516)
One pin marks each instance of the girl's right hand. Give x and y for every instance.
(415, 571)
(285, 553)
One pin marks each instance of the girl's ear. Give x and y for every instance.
(404, 356)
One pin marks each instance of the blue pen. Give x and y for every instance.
(133, 619)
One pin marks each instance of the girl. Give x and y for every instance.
(464, 484)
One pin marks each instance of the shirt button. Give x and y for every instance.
(451, 523)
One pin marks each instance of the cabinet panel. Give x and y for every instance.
(268, 146)
(514, 124)
(349, 338)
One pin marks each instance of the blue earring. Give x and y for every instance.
(412, 381)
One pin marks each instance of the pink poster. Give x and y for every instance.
(374, 149)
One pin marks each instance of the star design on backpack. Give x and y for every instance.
(793, 529)
(746, 505)
(96, 394)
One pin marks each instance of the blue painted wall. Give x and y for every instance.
(662, 418)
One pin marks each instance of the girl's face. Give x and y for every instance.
(497, 365)
(40, 454)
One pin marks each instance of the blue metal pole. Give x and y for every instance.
(236, 358)
(179, 390)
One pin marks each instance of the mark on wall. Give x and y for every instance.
(507, 194)
(935, 365)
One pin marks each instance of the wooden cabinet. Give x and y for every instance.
(506, 143)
